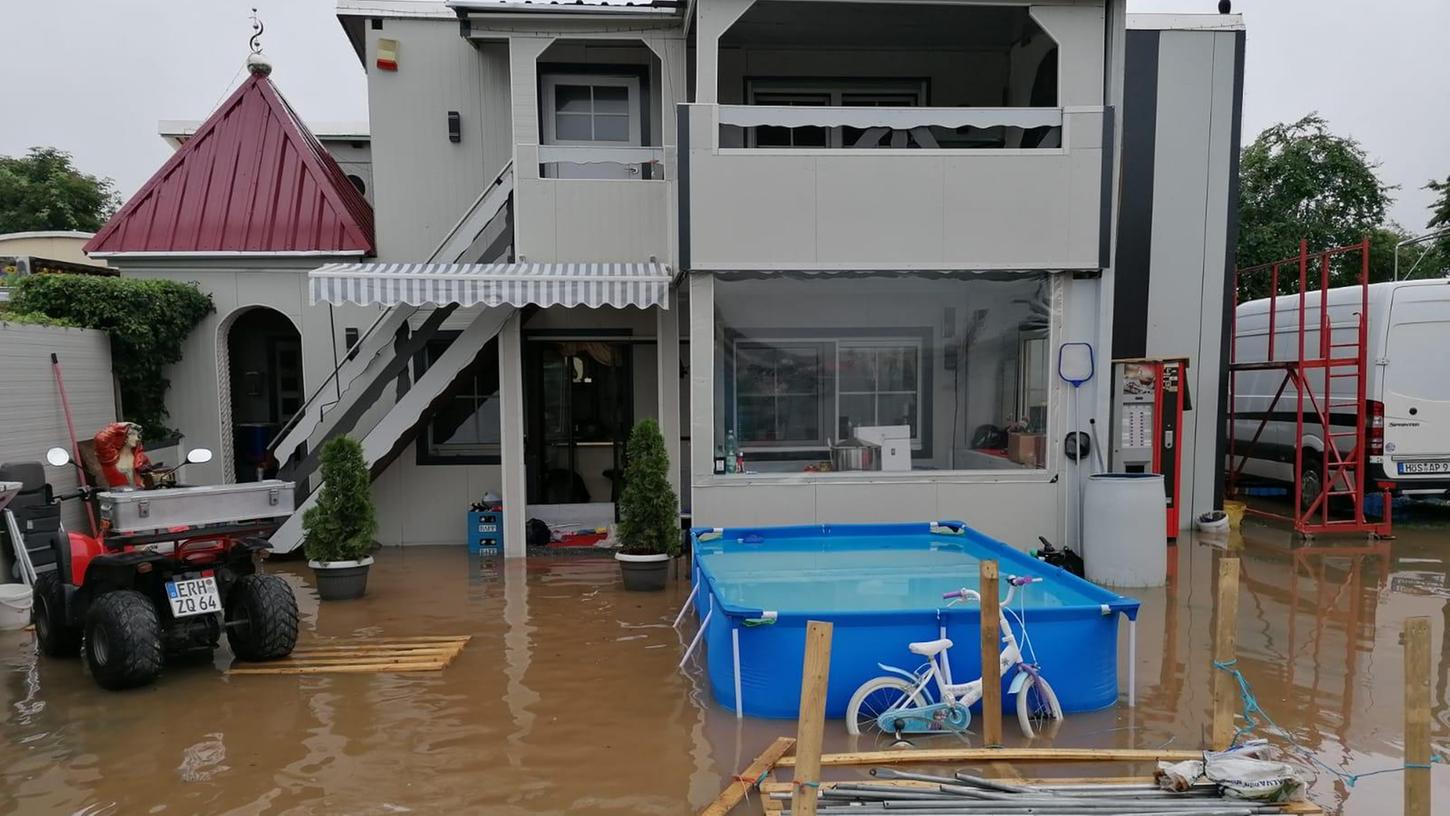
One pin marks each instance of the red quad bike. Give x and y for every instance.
(171, 569)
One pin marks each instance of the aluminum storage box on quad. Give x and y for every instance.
(133, 510)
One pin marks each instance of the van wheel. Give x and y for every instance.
(123, 640)
(1311, 484)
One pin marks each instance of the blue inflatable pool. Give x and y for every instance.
(881, 587)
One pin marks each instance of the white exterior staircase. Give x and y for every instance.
(347, 402)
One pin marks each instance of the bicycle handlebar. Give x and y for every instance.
(1013, 580)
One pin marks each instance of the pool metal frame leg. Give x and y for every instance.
(1132, 663)
(686, 607)
(698, 634)
(735, 649)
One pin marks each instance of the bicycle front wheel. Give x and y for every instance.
(1037, 706)
(876, 696)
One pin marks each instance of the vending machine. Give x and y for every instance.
(1149, 398)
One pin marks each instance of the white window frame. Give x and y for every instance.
(830, 397)
(548, 84)
(884, 343)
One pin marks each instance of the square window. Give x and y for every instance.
(611, 99)
(572, 99)
(573, 127)
(611, 127)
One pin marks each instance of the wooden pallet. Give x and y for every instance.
(364, 656)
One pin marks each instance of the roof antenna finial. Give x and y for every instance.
(256, 62)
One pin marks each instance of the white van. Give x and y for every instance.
(1407, 390)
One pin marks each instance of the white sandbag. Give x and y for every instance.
(1239, 774)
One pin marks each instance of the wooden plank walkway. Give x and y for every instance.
(364, 656)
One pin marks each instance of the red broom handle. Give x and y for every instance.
(75, 447)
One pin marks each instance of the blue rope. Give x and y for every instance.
(1251, 707)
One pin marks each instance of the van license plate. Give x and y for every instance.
(1424, 467)
(195, 596)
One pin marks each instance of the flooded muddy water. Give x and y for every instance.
(568, 700)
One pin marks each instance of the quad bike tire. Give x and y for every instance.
(56, 637)
(123, 640)
(261, 618)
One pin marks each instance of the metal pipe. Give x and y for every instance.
(1132, 662)
(735, 652)
(911, 810)
(991, 784)
(686, 607)
(699, 633)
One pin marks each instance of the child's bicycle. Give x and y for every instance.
(902, 702)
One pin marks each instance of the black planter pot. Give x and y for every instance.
(341, 580)
(643, 573)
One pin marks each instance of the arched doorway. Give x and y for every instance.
(263, 354)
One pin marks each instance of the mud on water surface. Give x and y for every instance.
(567, 699)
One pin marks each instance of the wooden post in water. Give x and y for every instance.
(991, 658)
(1417, 716)
(1225, 642)
(810, 727)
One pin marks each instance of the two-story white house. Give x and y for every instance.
(769, 224)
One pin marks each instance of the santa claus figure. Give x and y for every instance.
(118, 449)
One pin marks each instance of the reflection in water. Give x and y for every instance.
(568, 700)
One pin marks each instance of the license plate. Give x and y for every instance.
(194, 596)
(1425, 467)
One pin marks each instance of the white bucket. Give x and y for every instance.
(15, 600)
(1124, 531)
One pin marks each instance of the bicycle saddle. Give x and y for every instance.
(930, 648)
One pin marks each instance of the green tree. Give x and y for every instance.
(649, 512)
(1438, 262)
(341, 526)
(1440, 208)
(1298, 182)
(43, 190)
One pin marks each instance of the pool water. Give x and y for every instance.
(882, 586)
(878, 578)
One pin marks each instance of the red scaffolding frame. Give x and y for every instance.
(1337, 355)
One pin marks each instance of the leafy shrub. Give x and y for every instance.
(649, 510)
(32, 319)
(148, 321)
(340, 527)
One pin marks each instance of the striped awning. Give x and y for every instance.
(512, 284)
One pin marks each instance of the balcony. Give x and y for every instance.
(900, 188)
(895, 135)
(594, 162)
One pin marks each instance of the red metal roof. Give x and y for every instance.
(252, 179)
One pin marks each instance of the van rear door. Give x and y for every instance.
(1416, 385)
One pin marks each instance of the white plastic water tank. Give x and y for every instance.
(1123, 536)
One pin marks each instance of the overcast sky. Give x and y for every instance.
(94, 76)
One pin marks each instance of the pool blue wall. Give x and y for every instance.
(1076, 646)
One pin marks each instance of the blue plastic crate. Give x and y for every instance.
(485, 533)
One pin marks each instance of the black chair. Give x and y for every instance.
(38, 518)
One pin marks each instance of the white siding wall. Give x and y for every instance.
(194, 399)
(423, 182)
(30, 402)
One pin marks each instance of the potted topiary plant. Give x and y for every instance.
(649, 515)
(339, 528)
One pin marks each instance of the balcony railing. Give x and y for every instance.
(895, 128)
(635, 158)
(1018, 188)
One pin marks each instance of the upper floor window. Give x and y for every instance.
(587, 110)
